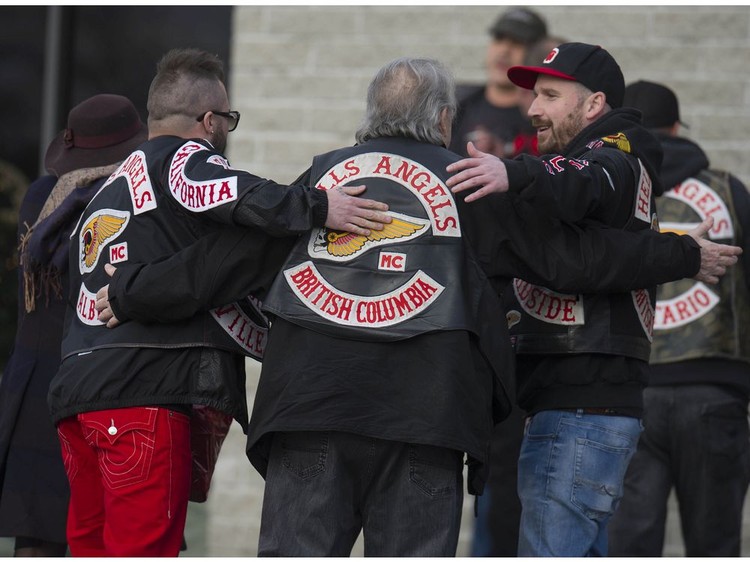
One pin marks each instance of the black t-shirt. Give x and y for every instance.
(506, 123)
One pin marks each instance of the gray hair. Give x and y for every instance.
(406, 99)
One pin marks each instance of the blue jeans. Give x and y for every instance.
(696, 440)
(570, 480)
(323, 488)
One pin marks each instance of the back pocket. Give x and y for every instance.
(124, 442)
(435, 470)
(304, 452)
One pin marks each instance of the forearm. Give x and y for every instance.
(240, 198)
(512, 240)
(281, 210)
(219, 268)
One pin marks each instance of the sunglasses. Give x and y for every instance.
(232, 116)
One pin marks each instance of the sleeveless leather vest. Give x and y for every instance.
(145, 211)
(542, 321)
(411, 278)
(695, 320)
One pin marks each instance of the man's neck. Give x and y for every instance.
(502, 95)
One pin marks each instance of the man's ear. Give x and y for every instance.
(595, 105)
(207, 122)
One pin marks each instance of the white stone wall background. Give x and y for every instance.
(300, 73)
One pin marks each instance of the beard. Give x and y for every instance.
(557, 136)
(219, 140)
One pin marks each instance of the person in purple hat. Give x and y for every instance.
(582, 359)
(101, 131)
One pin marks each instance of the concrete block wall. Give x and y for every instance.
(299, 75)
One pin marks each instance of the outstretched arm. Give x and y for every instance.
(512, 240)
(201, 181)
(219, 268)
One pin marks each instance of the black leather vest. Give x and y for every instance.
(408, 279)
(148, 209)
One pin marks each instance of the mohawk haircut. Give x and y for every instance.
(185, 83)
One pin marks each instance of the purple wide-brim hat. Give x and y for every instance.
(102, 130)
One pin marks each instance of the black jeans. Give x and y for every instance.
(322, 488)
(695, 439)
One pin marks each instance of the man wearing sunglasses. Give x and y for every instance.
(233, 119)
(122, 399)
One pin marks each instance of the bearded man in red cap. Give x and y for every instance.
(582, 360)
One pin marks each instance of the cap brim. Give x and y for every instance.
(525, 76)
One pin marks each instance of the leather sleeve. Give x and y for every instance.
(220, 268)
(602, 187)
(279, 210)
(513, 240)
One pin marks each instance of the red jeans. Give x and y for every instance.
(129, 474)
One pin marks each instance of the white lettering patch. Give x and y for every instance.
(549, 306)
(645, 311)
(198, 196)
(86, 307)
(430, 190)
(683, 309)
(135, 172)
(707, 203)
(406, 301)
(643, 197)
(118, 253)
(392, 261)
